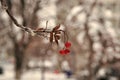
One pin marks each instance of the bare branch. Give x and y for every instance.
(4, 5)
(90, 40)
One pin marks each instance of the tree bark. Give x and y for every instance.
(18, 60)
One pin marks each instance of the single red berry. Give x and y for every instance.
(62, 52)
(56, 72)
(67, 44)
(67, 51)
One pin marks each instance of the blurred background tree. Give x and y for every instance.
(92, 27)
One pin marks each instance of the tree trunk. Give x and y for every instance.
(18, 60)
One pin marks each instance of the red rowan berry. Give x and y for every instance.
(67, 51)
(67, 44)
(62, 52)
(56, 71)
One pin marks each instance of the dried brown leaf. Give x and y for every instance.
(56, 28)
(57, 36)
(51, 37)
(56, 40)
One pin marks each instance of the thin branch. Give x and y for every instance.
(13, 19)
(29, 30)
(90, 40)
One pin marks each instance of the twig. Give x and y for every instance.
(4, 5)
(27, 29)
(38, 32)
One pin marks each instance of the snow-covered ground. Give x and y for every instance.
(31, 74)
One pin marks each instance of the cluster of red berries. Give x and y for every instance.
(65, 50)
